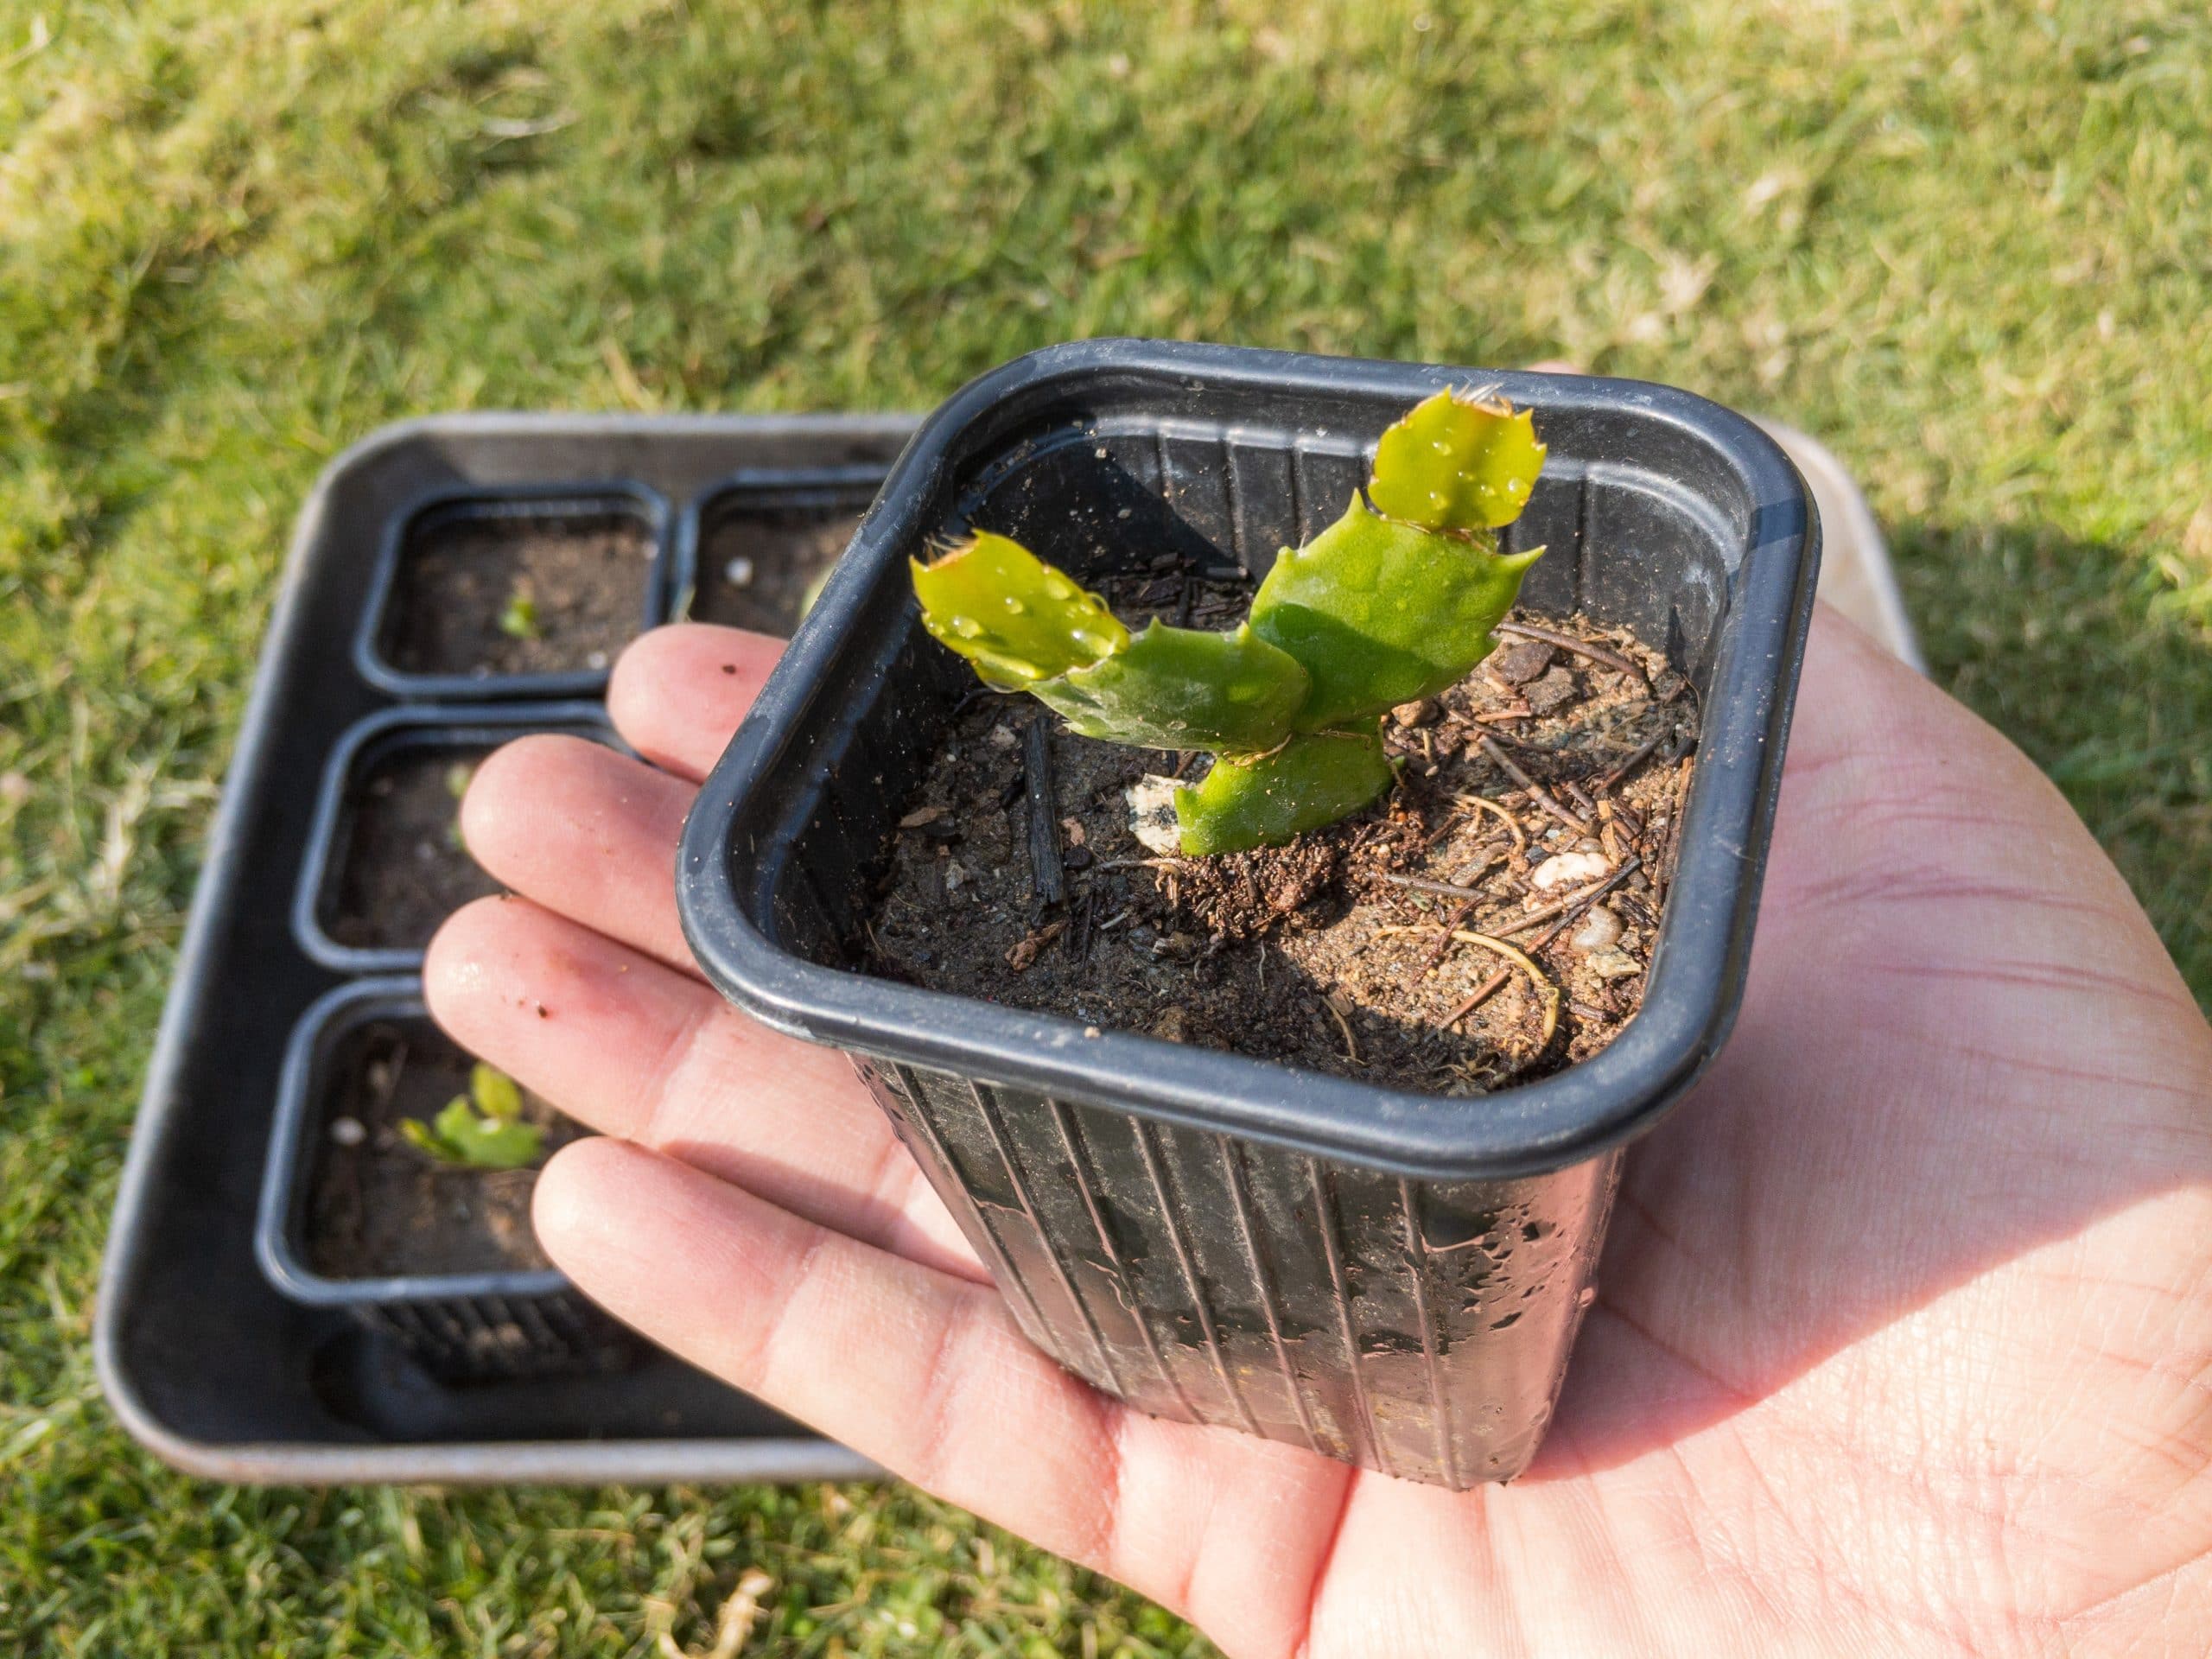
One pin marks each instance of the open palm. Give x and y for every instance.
(1903, 1337)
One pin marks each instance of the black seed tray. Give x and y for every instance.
(203, 1358)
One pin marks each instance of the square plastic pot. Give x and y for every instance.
(461, 1326)
(366, 747)
(522, 504)
(1389, 1278)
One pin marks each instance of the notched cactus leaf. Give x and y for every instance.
(1382, 613)
(1181, 689)
(1395, 601)
(496, 1139)
(1264, 800)
(496, 1094)
(1016, 618)
(1457, 461)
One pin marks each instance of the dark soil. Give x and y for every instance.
(584, 577)
(401, 869)
(380, 1207)
(1331, 953)
(755, 569)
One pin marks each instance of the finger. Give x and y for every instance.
(584, 831)
(632, 1048)
(677, 693)
(927, 1374)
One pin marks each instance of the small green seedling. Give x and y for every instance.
(520, 620)
(481, 1129)
(1392, 603)
(457, 780)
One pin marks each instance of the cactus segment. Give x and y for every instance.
(1458, 462)
(1180, 689)
(1016, 618)
(1395, 601)
(1382, 613)
(1264, 800)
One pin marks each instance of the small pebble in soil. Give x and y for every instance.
(1424, 711)
(1601, 931)
(738, 573)
(595, 660)
(1152, 814)
(1554, 690)
(1614, 964)
(1517, 664)
(1568, 870)
(348, 1131)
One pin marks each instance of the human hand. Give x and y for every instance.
(1904, 1339)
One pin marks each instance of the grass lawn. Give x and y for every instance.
(1969, 245)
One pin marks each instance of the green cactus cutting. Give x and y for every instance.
(1394, 602)
(481, 1129)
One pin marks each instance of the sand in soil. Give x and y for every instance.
(381, 1207)
(1537, 806)
(403, 869)
(755, 569)
(583, 577)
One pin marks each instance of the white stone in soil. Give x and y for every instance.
(1614, 964)
(1568, 870)
(1152, 814)
(1601, 931)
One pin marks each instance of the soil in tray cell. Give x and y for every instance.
(401, 869)
(377, 1205)
(757, 569)
(519, 595)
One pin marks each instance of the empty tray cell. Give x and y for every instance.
(386, 864)
(765, 548)
(491, 593)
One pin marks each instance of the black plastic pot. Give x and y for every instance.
(644, 507)
(461, 1326)
(367, 746)
(1392, 1279)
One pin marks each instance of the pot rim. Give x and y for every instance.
(736, 840)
